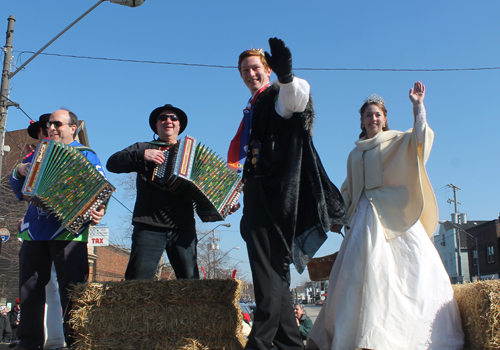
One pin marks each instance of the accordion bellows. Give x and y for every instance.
(198, 173)
(62, 180)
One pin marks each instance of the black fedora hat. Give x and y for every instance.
(35, 126)
(153, 118)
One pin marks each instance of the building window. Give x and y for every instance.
(474, 257)
(490, 254)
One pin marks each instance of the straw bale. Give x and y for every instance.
(178, 314)
(479, 305)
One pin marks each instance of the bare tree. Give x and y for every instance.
(125, 196)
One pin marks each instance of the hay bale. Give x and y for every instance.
(178, 314)
(479, 305)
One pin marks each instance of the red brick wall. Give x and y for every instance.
(111, 263)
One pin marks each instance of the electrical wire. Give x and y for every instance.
(234, 67)
(14, 104)
(123, 205)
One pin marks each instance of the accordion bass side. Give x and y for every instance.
(63, 181)
(196, 172)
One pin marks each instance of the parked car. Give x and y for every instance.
(320, 302)
(252, 307)
(247, 313)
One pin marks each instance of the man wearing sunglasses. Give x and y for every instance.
(46, 242)
(162, 221)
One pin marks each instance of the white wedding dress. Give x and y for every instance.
(387, 294)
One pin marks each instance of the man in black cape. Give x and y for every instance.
(289, 202)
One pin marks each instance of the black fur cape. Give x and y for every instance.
(296, 192)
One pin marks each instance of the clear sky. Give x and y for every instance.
(115, 98)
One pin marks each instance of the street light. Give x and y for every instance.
(5, 102)
(213, 230)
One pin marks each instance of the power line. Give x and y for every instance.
(8, 133)
(123, 205)
(14, 104)
(234, 67)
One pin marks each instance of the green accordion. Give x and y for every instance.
(199, 174)
(63, 181)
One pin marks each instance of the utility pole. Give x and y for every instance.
(215, 247)
(4, 92)
(457, 233)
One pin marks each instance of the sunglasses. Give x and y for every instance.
(57, 124)
(164, 117)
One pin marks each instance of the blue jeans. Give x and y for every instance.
(148, 244)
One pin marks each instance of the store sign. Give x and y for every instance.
(99, 236)
(4, 234)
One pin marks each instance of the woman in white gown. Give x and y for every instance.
(388, 288)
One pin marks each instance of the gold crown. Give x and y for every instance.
(375, 98)
(259, 51)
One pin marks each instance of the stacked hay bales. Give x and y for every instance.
(179, 314)
(479, 305)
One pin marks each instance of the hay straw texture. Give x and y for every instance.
(479, 305)
(177, 314)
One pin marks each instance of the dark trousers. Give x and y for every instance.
(148, 244)
(274, 324)
(35, 264)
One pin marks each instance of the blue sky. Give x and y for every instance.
(115, 98)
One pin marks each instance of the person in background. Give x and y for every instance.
(303, 321)
(5, 328)
(14, 316)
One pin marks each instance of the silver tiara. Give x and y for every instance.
(375, 98)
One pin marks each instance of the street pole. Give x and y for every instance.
(457, 233)
(477, 260)
(4, 92)
(213, 246)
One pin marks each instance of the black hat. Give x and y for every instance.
(153, 118)
(35, 126)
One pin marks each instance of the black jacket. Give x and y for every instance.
(298, 195)
(155, 205)
(13, 317)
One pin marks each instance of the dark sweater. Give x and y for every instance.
(155, 205)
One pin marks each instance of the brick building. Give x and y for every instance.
(484, 259)
(11, 211)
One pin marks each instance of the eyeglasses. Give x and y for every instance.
(57, 124)
(164, 117)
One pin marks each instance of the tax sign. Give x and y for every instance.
(4, 234)
(99, 236)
